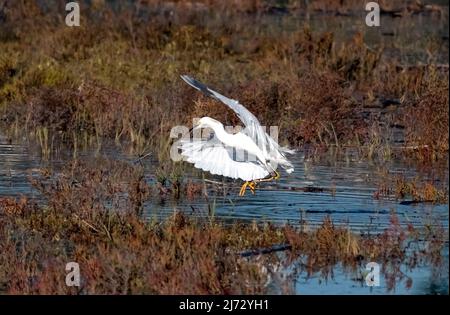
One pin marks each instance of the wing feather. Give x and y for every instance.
(252, 125)
(215, 158)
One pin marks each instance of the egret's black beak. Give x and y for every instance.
(190, 132)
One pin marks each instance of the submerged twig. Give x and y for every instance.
(267, 250)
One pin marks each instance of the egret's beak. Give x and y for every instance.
(193, 128)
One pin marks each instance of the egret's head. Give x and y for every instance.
(206, 122)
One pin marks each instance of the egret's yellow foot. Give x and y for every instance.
(243, 188)
(253, 183)
(252, 186)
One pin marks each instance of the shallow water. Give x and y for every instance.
(425, 280)
(341, 188)
(347, 196)
(344, 190)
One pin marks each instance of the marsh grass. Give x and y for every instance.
(412, 190)
(117, 77)
(93, 216)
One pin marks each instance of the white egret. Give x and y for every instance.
(215, 155)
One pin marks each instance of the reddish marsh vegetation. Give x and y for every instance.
(117, 75)
(411, 189)
(93, 217)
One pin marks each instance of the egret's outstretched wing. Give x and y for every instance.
(213, 157)
(253, 127)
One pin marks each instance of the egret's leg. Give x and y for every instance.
(269, 179)
(253, 183)
(243, 188)
(277, 175)
(252, 186)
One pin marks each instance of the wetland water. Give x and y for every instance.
(342, 188)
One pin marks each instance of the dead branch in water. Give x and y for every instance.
(268, 250)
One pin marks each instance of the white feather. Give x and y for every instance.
(216, 160)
